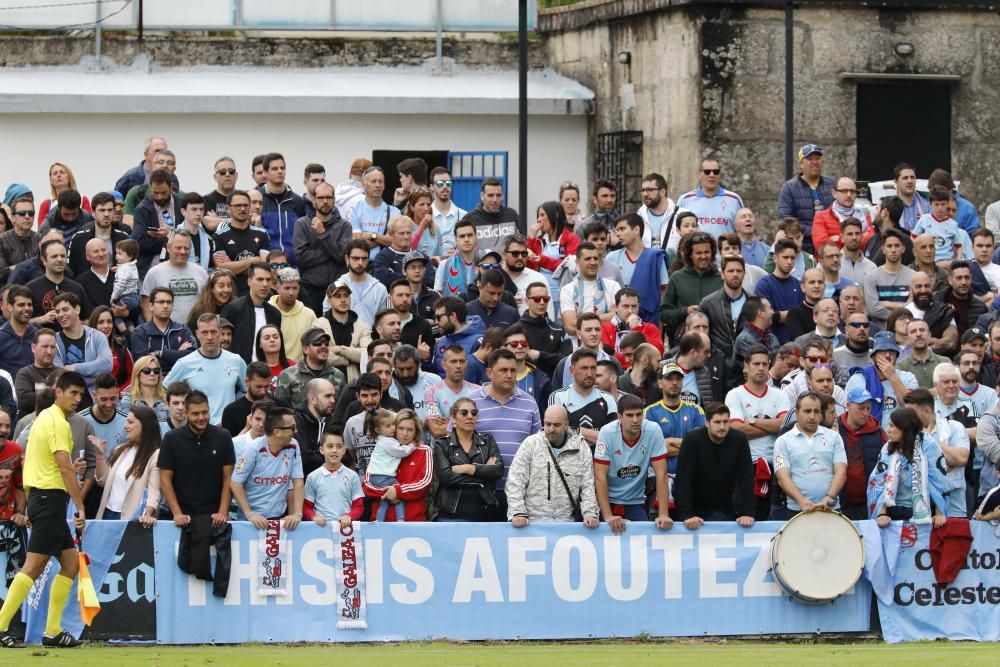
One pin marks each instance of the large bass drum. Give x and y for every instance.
(817, 556)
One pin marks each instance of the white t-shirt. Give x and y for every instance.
(119, 484)
(744, 404)
(586, 305)
(259, 320)
(992, 273)
(186, 284)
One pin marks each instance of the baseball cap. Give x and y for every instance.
(885, 341)
(972, 333)
(414, 256)
(670, 368)
(809, 149)
(117, 195)
(859, 395)
(490, 253)
(225, 324)
(337, 285)
(15, 190)
(313, 336)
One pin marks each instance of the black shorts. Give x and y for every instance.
(47, 513)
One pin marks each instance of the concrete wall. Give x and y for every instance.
(658, 93)
(709, 80)
(100, 147)
(248, 49)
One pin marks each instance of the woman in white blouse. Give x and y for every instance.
(131, 478)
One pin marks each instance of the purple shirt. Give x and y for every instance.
(509, 423)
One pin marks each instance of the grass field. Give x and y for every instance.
(439, 654)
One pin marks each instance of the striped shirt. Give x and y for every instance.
(509, 423)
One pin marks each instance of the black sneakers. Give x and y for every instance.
(62, 640)
(8, 640)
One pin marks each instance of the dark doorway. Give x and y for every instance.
(904, 121)
(389, 159)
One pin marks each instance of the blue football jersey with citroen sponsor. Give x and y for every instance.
(267, 477)
(675, 422)
(627, 464)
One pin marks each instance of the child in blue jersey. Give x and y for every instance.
(381, 424)
(626, 448)
(333, 491)
(950, 239)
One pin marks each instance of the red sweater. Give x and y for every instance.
(414, 475)
(609, 338)
(568, 243)
(826, 227)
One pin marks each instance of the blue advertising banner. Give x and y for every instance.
(966, 609)
(489, 581)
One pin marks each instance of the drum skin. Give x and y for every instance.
(817, 556)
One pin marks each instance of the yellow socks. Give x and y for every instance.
(18, 590)
(58, 595)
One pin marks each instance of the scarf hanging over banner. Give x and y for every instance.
(349, 567)
(272, 556)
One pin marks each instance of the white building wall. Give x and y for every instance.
(100, 147)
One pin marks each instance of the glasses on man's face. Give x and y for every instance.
(239, 206)
(540, 299)
(357, 258)
(517, 253)
(285, 428)
(120, 206)
(225, 172)
(711, 172)
(816, 359)
(438, 316)
(465, 412)
(517, 343)
(277, 266)
(859, 325)
(487, 267)
(649, 190)
(443, 183)
(24, 214)
(150, 370)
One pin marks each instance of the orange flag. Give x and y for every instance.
(90, 606)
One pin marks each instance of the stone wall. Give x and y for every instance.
(248, 49)
(708, 80)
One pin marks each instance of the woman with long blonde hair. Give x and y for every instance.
(60, 179)
(147, 387)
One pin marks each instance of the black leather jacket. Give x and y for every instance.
(448, 452)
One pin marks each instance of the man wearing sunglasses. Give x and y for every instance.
(515, 257)
(217, 201)
(444, 210)
(715, 206)
(547, 341)
(457, 328)
(816, 351)
(856, 350)
(240, 245)
(20, 242)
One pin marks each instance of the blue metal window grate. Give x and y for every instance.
(468, 171)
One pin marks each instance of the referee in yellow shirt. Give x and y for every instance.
(50, 481)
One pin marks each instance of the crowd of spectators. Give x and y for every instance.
(350, 354)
